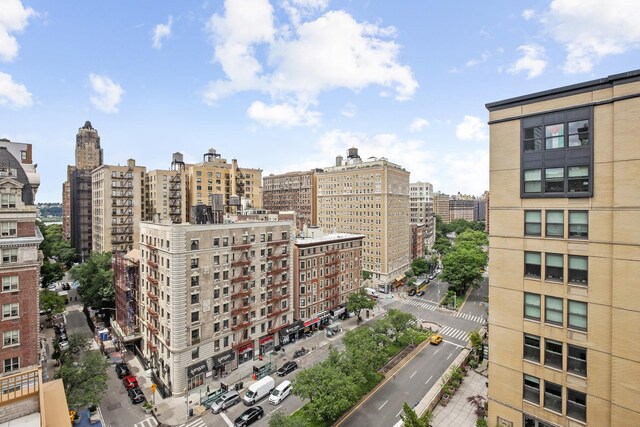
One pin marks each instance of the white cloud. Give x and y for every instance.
(12, 94)
(349, 110)
(533, 61)
(475, 61)
(305, 58)
(161, 32)
(472, 128)
(464, 172)
(107, 94)
(528, 14)
(14, 17)
(418, 124)
(285, 115)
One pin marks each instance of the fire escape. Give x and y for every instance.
(122, 213)
(332, 290)
(175, 198)
(152, 300)
(240, 293)
(275, 282)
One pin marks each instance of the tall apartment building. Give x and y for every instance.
(126, 275)
(327, 268)
(292, 191)
(76, 194)
(215, 176)
(20, 267)
(119, 204)
(371, 198)
(214, 297)
(418, 238)
(462, 207)
(421, 199)
(441, 206)
(565, 257)
(167, 192)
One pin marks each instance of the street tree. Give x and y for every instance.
(359, 301)
(52, 303)
(442, 245)
(411, 419)
(419, 266)
(85, 380)
(54, 245)
(363, 351)
(95, 278)
(476, 341)
(366, 275)
(478, 238)
(461, 267)
(399, 320)
(78, 344)
(51, 272)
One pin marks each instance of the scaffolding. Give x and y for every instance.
(126, 276)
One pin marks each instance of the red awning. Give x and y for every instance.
(266, 340)
(311, 322)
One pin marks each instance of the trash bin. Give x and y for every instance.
(191, 412)
(239, 385)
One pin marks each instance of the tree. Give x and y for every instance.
(95, 278)
(442, 245)
(476, 341)
(51, 272)
(85, 380)
(362, 351)
(54, 246)
(411, 419)
(78, 344)
(366, 275)
(359, 301)
(479, 403)
(280, 419)
(52, 303)
(461, 267)
(399, 320)
(479, 238)
(419, 266)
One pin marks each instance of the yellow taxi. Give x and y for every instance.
(435, 339)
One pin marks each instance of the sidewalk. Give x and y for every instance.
(459, 412)
(174, 410)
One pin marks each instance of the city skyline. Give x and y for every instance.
(407, 83)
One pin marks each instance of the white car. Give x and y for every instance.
(52, 287)
(280, 393)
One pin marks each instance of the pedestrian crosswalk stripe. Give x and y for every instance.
(148, 422)
(476, 319)
(418, 303)
(195, 423)
(454, 333)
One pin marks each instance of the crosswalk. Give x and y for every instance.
(152, 422)
(476, 319)
(420, 303)
(195, 423)
(450, 332)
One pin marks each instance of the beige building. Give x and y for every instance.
(421, 199)
(167, 195)
(119, 204)
(214, 298)
(462, 207)
(370, 198)
(565, 256)
(441, 206)
(292, 191)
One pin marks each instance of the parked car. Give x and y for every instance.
(287, 368)
(411, 292)
(66, 286)
(122, 370)
(136, 395)
(419, 293)
(259, 390)
(227, 400)
(249, 416)
(280, 393)
(52, 287)
(64, 345)
(130, 382)
(435, 339)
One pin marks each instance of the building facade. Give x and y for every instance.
(421, 198)
(119, 204)
(565, 257)
(370, 198)
(327, 268)
(418, 239)
(441, 207)
(167, 195)
(292, 191)
(214, 298)
(462, 207)
(126, 275)
(21, 260)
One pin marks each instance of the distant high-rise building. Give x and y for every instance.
(565, 256)
(372, 198)
(292, 191)
(20, 267)
(168, 192)
(462, 207)
(441, 207)
(421, 198)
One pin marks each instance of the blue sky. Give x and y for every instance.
(287, 85)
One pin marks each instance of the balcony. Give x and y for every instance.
(331, 252)
(278, 270)
(276, 242)
(152, 328)
(241, 310)
(244, 278)
(277, 312)
(242, 293)
(152, 248)
(335, 261)
(152, 264)
(243, 325)
(240, 246)
(277, 328)
(152, 312)
(152, 347)
(276, 257)
(152, 280)
(236, 345)
(277, 298)
(152, 296)
(241, 262)
(333, 274)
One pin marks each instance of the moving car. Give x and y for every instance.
(287, 368)
(130, 382)
(227, 400)
(280, 393)
(122, 370)
(249, 416)
(136, 395)
(435, 339)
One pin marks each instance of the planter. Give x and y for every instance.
(455, 384)
(147, 407)
(445, 399)
(450, 390)
(93, 409)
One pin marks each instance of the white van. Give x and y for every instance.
(372, 293)
(258, 390)
(280, 393)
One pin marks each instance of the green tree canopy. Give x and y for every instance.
(399, 320)
(52, 303)
(479, 238)
(442, 245)
(51, 272)
(55, 246)
(85, 379)
(461, 267)
(359, 301)
(411, 419)
(420, 266)
(366, 275)
(363, 351)
(95, 278)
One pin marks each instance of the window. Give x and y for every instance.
(195, 336)
(9, 255)
(554, 180)
(195, 245)
(8, 200)
(554, 136)
(194, 262)
(532, 348)
(531, 392)
(11, 311)
(578, 224)
(577, 315)
(578, 178)
(533, 139)
(554, 268)
(576, 405)
(578, 269)
(532, 306)
(579, 133)
(553, 397)
(11, 364)
(195, 298)
(532, 223)
(533, 181)
(9, 229)
(11, 338)
(553, 353)
(10, 283)
(554, 224)
(553, 310)
(532, 262)
(195, 280)
(577, 360)
(195, 353)
(195, 316)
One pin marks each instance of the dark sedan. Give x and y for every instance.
(287, 368)
(122, 370)
(136, 395)
(249, 416)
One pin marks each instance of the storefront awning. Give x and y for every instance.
(293, 328)
(338, 311)
(324, 315)
(400, 278)
(311, 322)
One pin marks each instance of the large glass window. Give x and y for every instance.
(554, 180)
(533, 139)
(553, 396)
(553, 353)
(578, 178)
(554, 268)
(576, 405)
(532, 261)
(531, 391)
(553, 310)
(554, 136)
(532, 223)
(532, 348)
(578, 269)
(532, 306)
(578, 224)
(579, 133)
(554, 224)
(577, 360)
(533, 181)
(577, 315)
